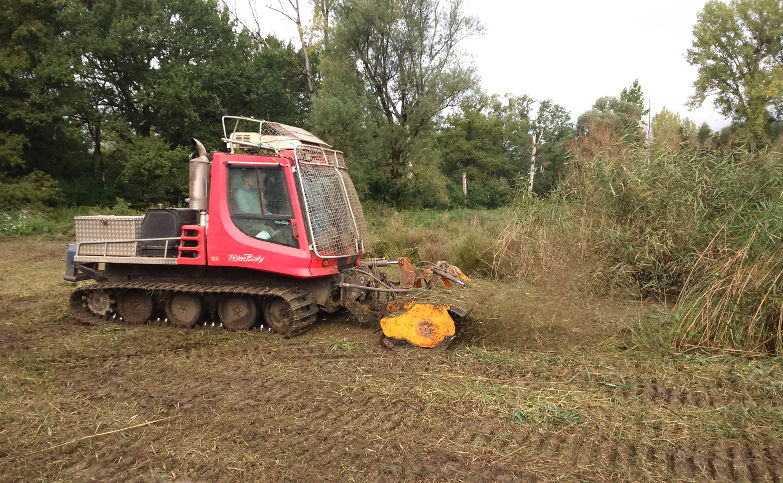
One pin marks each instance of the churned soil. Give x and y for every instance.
(539, 385)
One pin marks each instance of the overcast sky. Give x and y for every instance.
(574, 52)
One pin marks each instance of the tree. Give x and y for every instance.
(312, 37)
(147, 75)
(621, 116)
(27, 30)
(738, 50)
(35, 139)
(550, 124)
(634, 95)
(704, 134)
(479, 140)
(612, 123)
(491, 139)
(99, 95)
(398, 63)
(672, 133)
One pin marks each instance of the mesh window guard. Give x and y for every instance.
(335, 215)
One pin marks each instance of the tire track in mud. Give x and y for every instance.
(390, 422)
(670, 392)
(599, 456)
(309, 423)
(736, 462)
(318, 430)
(685, 460)
(675, 397)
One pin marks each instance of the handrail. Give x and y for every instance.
(135, 242)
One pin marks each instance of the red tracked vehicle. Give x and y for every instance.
(274, 232)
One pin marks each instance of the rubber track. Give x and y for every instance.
(303, 307)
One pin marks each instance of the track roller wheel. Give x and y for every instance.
(277, 313)
(134, 306)
(183, 309)
(99, 302)
(237, 312)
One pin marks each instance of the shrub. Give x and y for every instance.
(35, 190)
(656, 211)
(531, 239)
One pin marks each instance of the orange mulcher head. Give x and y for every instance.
(423, 325)
(429, 275)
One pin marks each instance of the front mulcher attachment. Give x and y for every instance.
(420, 324)
(417, 310)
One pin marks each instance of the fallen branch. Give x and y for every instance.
(90, 436)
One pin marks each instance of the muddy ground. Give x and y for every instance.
(544, 384)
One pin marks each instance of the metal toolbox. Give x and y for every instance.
(108, 227)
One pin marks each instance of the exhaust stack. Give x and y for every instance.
(199, 176)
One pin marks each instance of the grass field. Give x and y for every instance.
(542, 384)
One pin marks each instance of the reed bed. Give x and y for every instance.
(733, 300)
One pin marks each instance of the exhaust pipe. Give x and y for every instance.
(199, 177)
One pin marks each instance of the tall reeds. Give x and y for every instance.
(700, 228)
(733, 299)
(656, 211)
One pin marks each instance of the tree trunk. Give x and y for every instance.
(306, 45)
(532, 174)
(305, 48)
(98, 167)
(309, 70)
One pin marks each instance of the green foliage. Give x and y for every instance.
(490, 141)
(534, 237)
(634, 95)
(27, 30)
(23, 222)
(737, 49)
(151, 170)
(56, 222)
(392, 68)
(482, 143)
(553, 129)
(659, 211)
(671, 133)
(621, 115)
(11, 148)
(82, 83)
(35, 190)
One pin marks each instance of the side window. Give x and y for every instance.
(259, 203)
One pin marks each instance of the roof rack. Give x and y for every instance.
(270, 135)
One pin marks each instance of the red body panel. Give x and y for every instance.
(227, 246)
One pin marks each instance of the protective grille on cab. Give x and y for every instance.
(273, 129)
(331, 223)
(310, 154)
(356, 206)
(340, 160)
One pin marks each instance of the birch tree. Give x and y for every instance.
(550, 123)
